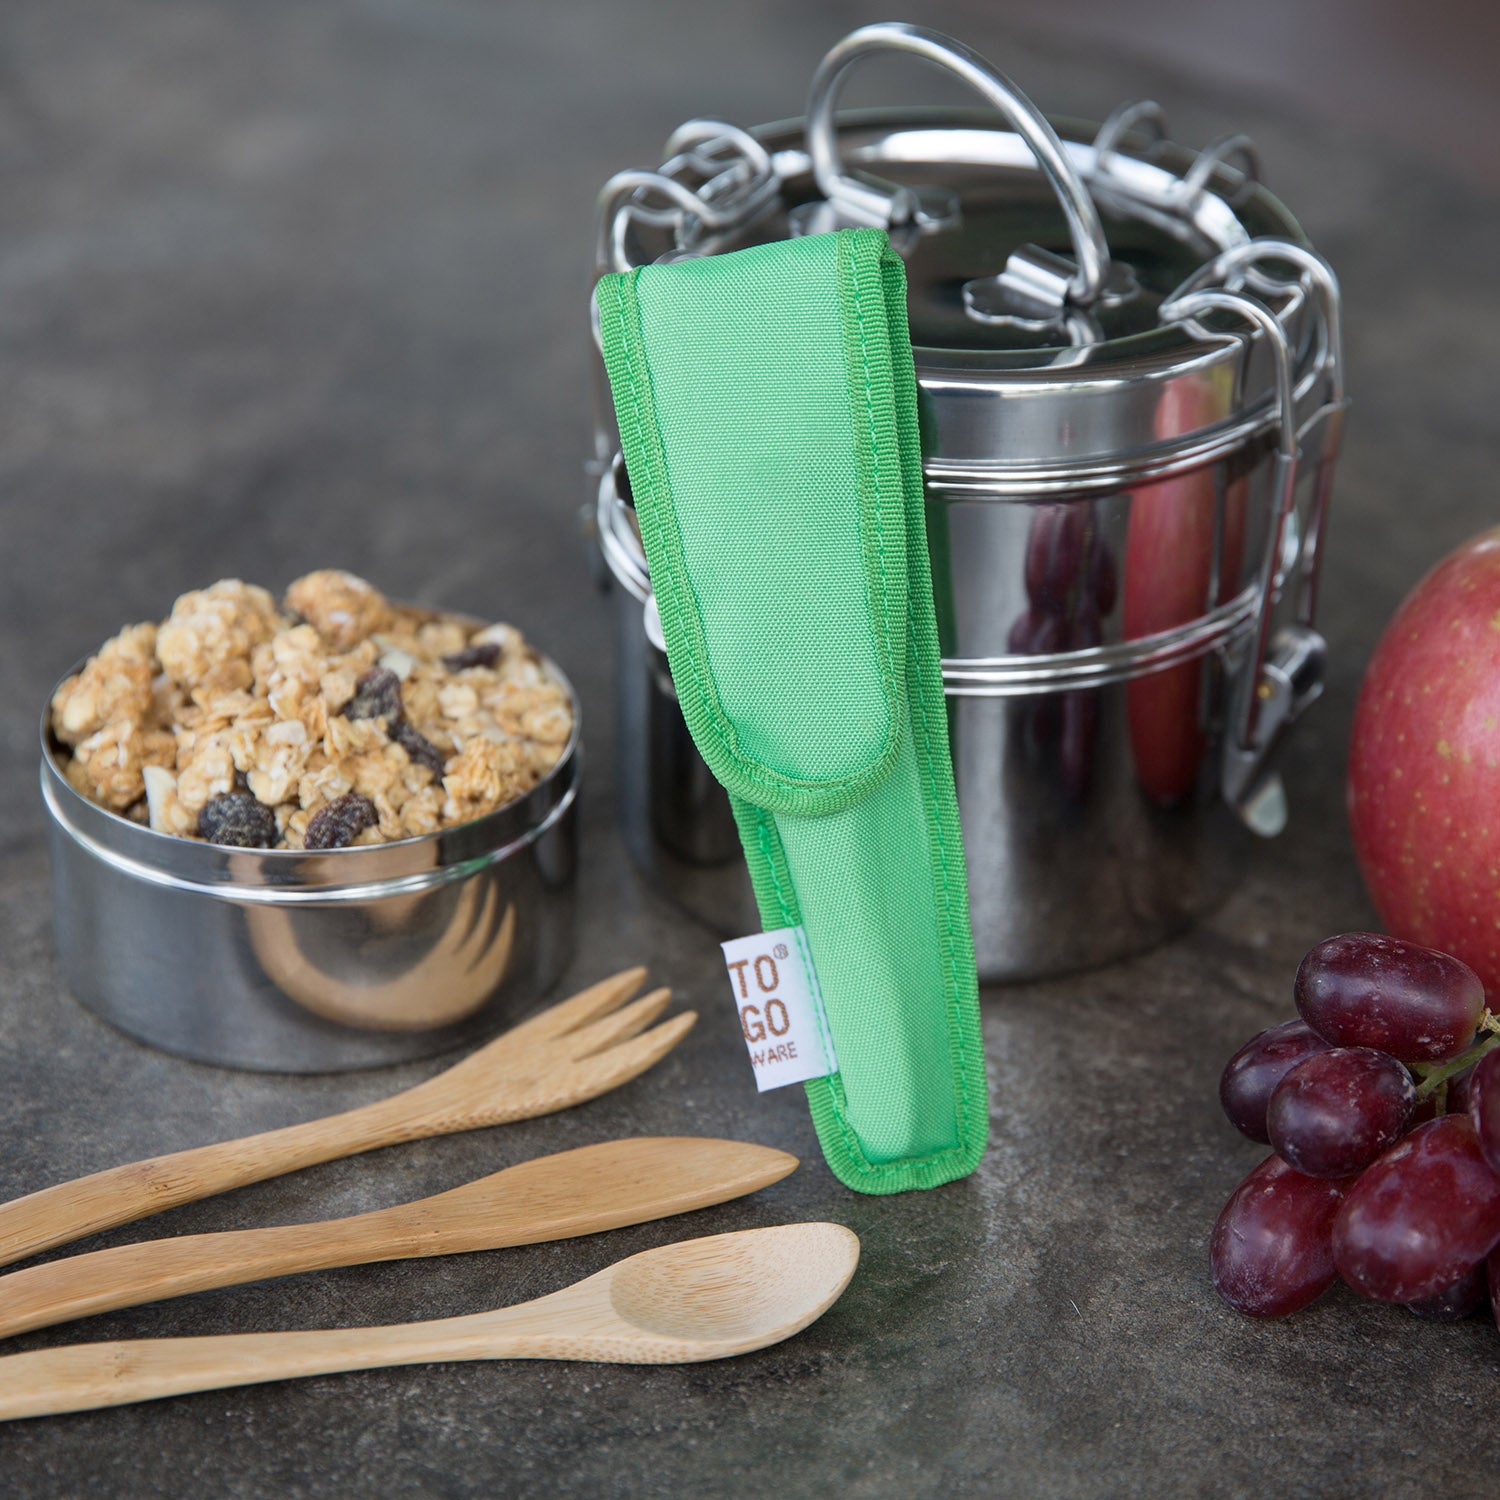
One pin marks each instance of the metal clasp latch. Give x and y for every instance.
(1286, 671)
(1034, 292)
(1291, 678)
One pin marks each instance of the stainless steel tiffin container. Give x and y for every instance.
(304, 961)
(1131, 398)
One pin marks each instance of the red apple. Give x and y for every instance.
(1169, 563)
(1424, 763)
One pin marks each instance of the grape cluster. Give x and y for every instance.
(1071, 586)
(1382, 1107)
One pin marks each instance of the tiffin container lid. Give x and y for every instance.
(1045, 261)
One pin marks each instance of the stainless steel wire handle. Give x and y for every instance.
(855, 200)
(711, 145)
(736, 182)
(1244, 264)
(1140, 117)
(628, 195)
(1216, 155)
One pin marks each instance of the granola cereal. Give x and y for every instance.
(114, 686)
(343, 609)
(204, 644)
(337, 718)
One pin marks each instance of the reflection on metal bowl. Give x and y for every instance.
(402, 978)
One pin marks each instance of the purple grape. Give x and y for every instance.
(1425, 1110)
(1418, 1218)
(1080, 728)
(1272, 1248)
(1080, 711)
(1254, 1071)
(1467, 1295)
(1459, 1094)
(1103, 579)
(1492, 1275)
(1038, 632)
(1055, 553)
(1367, 990)
(1483, 1104)
(1085, 630)
(1336, 1111)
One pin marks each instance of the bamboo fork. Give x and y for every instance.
(573, 1051)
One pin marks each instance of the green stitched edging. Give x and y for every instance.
(882, 505)
(929, 728)
(934, 756)
(713, 732)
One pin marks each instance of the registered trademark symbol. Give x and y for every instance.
(781, 950)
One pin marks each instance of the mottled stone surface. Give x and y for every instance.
(297, 284)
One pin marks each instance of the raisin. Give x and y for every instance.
(377, 695)
(341, 822)
(237, 820)
(485, 655)
(422, 751)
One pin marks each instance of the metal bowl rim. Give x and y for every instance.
(220, 869)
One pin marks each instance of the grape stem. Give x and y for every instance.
(1433, 1076)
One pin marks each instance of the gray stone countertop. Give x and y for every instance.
(297, 284)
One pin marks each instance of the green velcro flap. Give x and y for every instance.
(785, 623)
(767, 411)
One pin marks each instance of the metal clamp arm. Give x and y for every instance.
(1284, 674)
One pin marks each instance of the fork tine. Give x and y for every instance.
(491, 964)
(478, 937)
(617, 1026)
(591, 1076)
(578, 1010)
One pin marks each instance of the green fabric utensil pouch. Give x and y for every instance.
(767, 410)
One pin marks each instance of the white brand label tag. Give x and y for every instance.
(781, 1007)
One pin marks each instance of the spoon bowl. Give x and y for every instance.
(735, 1292)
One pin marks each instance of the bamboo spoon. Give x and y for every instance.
(695, 1300)
(550, 1198)
(575, 1050)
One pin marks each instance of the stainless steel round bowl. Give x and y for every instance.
(288, 961)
